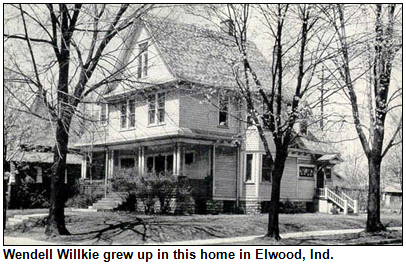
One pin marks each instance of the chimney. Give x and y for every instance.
(227, 26)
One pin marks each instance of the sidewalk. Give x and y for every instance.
(284, 236)
(28, 241)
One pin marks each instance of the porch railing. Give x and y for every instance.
(343, 200)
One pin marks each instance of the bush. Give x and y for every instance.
(151, 188)
(81, 201)
(28, 194)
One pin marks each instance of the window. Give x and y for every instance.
(127, 114)
(156, 108)
(142, 70)
(103, 114)
(161, 107)
(162, 163)
(327, 172)
(127, 162)
(266, 169)
(123, 115)
(131, 114)
(306, 171)
(189, 158)
(248, 167)
(223, 110)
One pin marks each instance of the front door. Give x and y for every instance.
(320, 179)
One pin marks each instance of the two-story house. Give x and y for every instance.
(184, 116)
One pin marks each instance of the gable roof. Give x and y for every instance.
(198, 55)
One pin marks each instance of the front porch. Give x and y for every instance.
(209, 166)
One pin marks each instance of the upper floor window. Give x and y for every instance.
(248, 167)
(156, 108)
(142, 70)
(224, 103)
(103, 114)
(127, 114)
(266, 169)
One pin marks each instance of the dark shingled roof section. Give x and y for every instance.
(201, 56)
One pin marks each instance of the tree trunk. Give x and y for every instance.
(273, 219)
(58, 194)
(374, 215)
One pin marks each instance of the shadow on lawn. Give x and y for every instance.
(109, 233)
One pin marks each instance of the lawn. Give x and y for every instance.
(129, 228)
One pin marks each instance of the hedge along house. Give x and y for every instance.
(184, 116)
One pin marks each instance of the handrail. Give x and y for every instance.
(343, 202)
(351, 202)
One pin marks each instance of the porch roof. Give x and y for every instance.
(43, 157)
(180, 135)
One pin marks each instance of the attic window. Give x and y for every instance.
(103, 114)
(142, 70)
(223, 110)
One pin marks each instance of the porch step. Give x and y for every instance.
(111, 202)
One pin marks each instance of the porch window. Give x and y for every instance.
(156, 108)
(103, 114)
(142, 70)
(127, 162)
(223, 110)
(162, 163)
(248, 167)
(189, 158)
(266, 169)
(306, 171)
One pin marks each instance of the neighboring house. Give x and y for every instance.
(184, 116)
(30, 155)
(392, 197)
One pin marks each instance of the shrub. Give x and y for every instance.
(151, 188)
(28, 194)
(81, 201)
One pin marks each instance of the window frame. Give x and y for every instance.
(127, 157)
(156, 108)
(307, 166)
(142, 68)
(104, 121)
(262, 171)
(126, 117)
(153, 156)
(221, 111)
(251, 179)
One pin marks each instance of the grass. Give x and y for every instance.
(132, 229)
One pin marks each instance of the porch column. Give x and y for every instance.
(111, 163)
(84, 166)
(175, 160)
(180, 150)
(106, 172)
(39, 174)
(213, 166)
(141, 159)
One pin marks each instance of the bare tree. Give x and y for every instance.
(65, 54)
(385, 46)
(296, 35)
